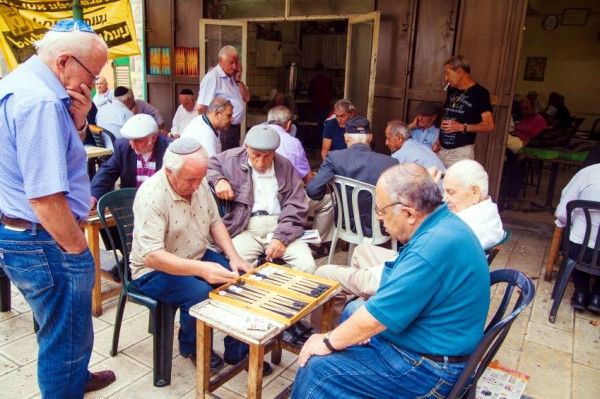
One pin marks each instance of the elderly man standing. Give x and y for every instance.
(45, 194)
(103, 93)
(467, 111)
(357, 162)
(422, 129)
(269, 207)
(405, 149)
(428, 313)
(334, 129)
(175, 214)
(465, 194)
(280, 119)
(112, 116)
(186, 111)
(207, 127)
(224, 80)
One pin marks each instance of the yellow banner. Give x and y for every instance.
(24, 22)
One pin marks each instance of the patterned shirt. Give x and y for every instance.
(164, 220)
(145, 168)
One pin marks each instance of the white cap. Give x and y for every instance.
(139, 126)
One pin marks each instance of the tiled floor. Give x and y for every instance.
(561, 358)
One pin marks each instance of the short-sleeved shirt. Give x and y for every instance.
(40, 150)
(164, 220)
(291, 148)
(335, 133)
(411, 151)
(112, 117)
(182, 118)
(101, 99)
(217, 84)
(425, 136)
(146, 108)
(434, 297)
(464, 106)
(201, 130)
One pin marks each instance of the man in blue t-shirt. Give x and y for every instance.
(414, 336)
(334, 129)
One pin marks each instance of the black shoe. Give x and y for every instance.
(594, 303)
(297, 334)
(114, 274)
(216, 363)
(267, 369)
(579, 300)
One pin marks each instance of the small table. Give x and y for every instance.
(92, 225)
(95, 152)
(231, 320)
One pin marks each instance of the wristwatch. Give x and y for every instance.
(465, 128)
(328, 344)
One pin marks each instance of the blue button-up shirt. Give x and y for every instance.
(411, 151)
(425, 136)
(40, 150)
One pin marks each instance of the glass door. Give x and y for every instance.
(361, 60)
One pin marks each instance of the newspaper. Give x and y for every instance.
(499, 382)
(309, 236)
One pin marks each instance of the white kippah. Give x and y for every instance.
(184, 145)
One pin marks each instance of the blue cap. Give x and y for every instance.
(358, 124)
(72, 25)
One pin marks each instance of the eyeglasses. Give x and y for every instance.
(94, 77)
(380, 211)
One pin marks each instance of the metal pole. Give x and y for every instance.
(77, 10)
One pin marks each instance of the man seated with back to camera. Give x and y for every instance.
(414, 336)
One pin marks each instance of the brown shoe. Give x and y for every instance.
(100, 380)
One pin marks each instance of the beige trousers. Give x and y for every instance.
(450, 157)
(252, 242)
(322, 213)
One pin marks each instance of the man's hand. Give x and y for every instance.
(435, 174)
(436, 147)
(223, 190)
(238, 72)
(275, 249)
(449, 126)
(81, 103)
(93, 204)
(238, 264)
(313, 346)
(214, 273)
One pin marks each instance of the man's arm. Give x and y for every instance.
(56, 216)
(202, 109)
(315, 188)
(106, 177)
(485, 126)
(223, 240)
(166, 262)
(359, 328)
(325, 147)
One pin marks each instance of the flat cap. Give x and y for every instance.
(428, 108)
(262, 138)
(358, 124)
(139, 126)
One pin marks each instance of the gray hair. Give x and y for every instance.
(76, 42)
(344, 104)
(470, 173)
(279, 115)
(358, 138)
(226, 51)
(174, 162)
(397, 127)
(411, 185)
(459, 61)
(217, 103)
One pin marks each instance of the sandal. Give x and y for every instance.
(320, 251)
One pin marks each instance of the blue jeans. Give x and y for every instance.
(376, 370)
(58, 287)
(185, 292)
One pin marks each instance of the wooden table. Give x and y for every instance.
(231, 320)
(92, 225)
(95, 152)
(553, 253)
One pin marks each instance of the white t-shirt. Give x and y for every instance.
(198, 129)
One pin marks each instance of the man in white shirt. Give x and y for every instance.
(103, 93)
(224, 80)
(206, 128)
(112, 116)
(186, 111)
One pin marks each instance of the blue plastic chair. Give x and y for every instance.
(493, 249)
(496, 330)
(119, 203)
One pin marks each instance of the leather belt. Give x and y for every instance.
(20, 223)
(448, 359)
(260, 213)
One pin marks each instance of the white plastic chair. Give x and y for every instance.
(349, 230)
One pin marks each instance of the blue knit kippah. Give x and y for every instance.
(72, 25)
